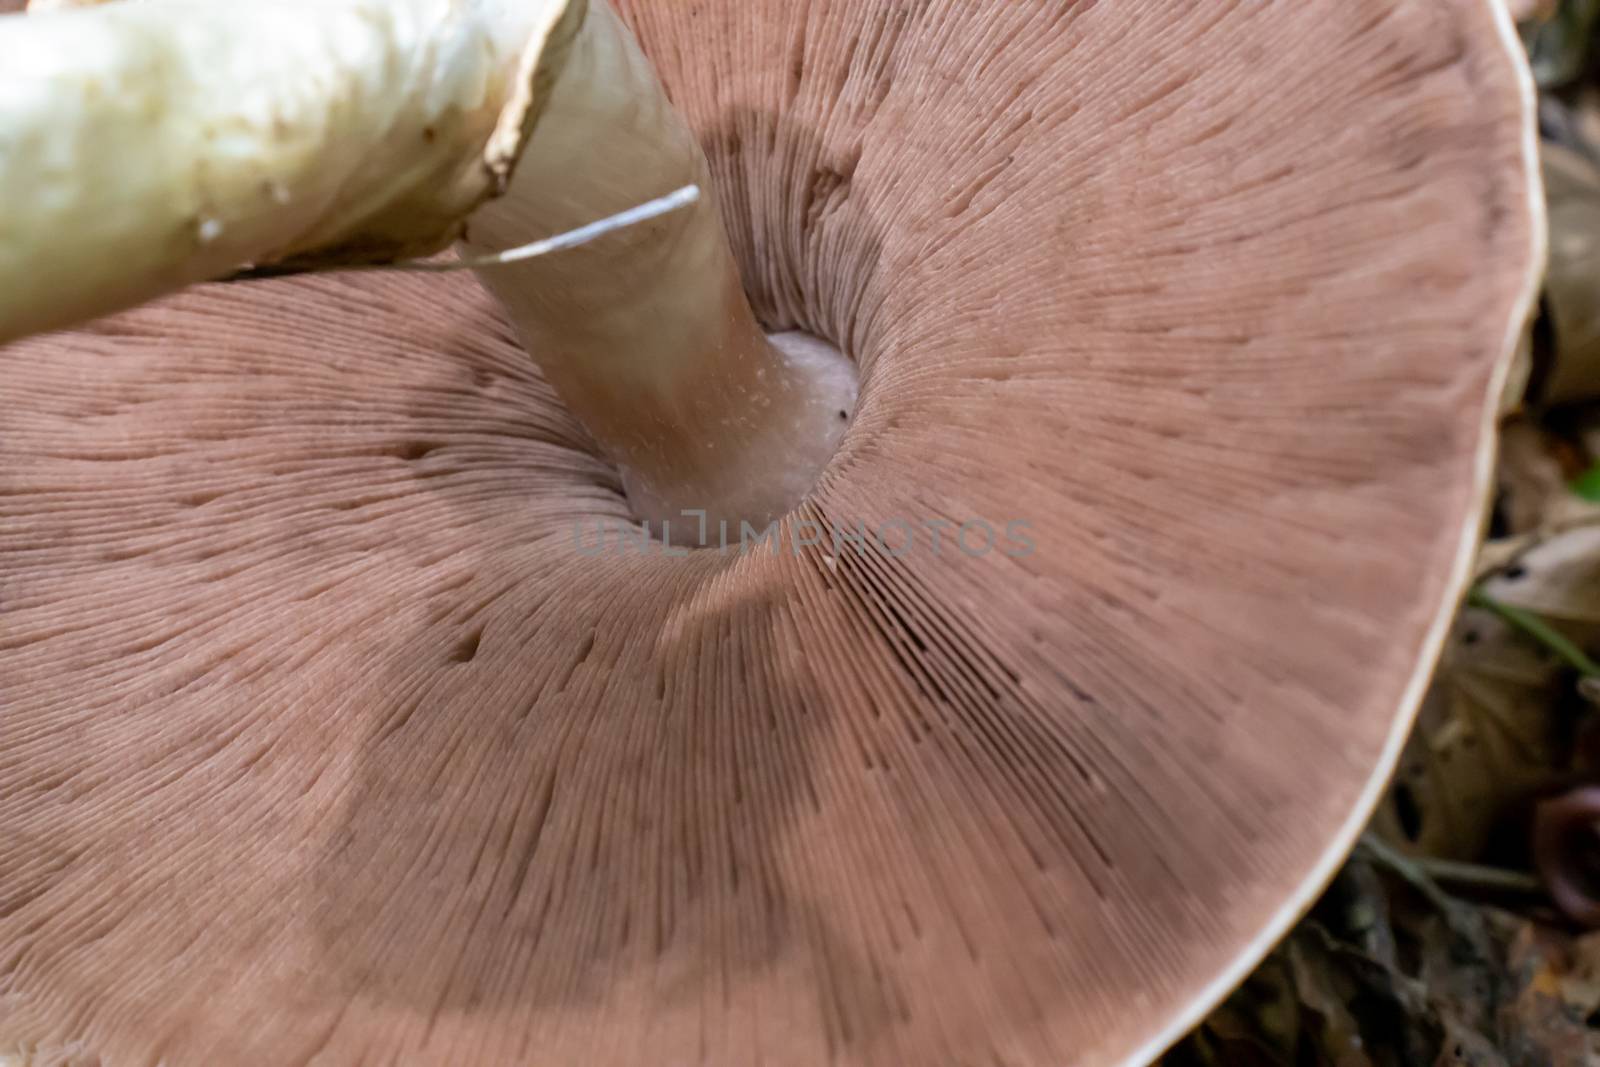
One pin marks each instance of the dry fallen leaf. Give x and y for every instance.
(1532, 476)
(1572, 286)
(1549, 1008)
(1488, 741)
(1580, 981)
(1391, 972)
(1504, 722)
(1558, 580)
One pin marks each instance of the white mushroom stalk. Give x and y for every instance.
(146, 146)
(647, 334)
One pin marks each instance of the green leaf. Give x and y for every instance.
(1587, 484)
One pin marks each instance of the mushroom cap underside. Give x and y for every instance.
(328, 736)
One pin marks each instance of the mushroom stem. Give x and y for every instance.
(147, 146)
(647, 334)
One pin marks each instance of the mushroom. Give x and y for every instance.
(331, 733)
(1566, 850)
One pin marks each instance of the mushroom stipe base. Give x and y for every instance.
(648, 335)
(797, 412)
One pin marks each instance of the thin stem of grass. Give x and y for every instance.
(1536, 628)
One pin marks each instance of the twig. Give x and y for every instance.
(1384, 855)
(1478, 876)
